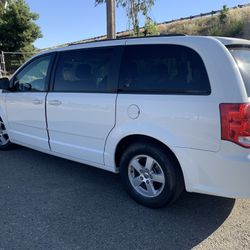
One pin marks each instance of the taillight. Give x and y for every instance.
(235, 123)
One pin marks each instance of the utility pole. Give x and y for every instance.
(111, 34)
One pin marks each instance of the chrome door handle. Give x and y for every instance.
(55, 102)
(37, 102)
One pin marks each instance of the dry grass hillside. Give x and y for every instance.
(236, 23)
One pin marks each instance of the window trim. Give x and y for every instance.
(47, 81)
(238, 46)
(166, 92)
(113, 74)
(161, 91)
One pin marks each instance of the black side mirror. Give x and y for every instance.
(24, 86)
(4, 83)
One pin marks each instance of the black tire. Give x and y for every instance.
(7, 145)
(170, 169)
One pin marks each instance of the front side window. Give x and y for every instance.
(242, 57)
(163, 69)
(84, 70)
(33, 76)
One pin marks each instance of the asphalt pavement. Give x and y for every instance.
(51, 203)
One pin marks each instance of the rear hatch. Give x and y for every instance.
(235, 117)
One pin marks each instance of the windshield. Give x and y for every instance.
(242, 57)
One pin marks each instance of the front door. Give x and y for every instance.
(25, 104)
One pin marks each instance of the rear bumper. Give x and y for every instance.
(225, 173)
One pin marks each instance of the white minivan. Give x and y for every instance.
(168, 113)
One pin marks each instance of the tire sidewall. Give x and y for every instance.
(6, 146)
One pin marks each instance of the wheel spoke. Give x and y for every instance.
(150, 188)
(158, 178)
(3, 141)
(4, 138)
(149, 163)
(136, 165)
(137, 181)
(1, 125)
(3, 132)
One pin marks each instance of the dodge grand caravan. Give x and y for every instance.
(168, 113)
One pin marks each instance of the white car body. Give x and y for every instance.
(88, 127)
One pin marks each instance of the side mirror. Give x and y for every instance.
(24, 86)
(4, 83)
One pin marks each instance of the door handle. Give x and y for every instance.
(37, 102)
(55, 102)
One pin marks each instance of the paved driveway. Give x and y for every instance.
(51, 203)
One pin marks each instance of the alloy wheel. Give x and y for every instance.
(4, 138)
(146, 176)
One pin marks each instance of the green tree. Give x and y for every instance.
(133, 9)
(224, 14)
(3, 5)
(3, 2)
(17, 27)
(150, 27)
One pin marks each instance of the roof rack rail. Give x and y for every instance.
(100, 39)
(177, 34)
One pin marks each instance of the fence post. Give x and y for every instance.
(2, 65)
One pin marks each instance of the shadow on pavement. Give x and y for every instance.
(50, 203)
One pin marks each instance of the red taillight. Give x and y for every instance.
(235, 123)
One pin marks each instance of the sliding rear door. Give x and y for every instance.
(81, 106)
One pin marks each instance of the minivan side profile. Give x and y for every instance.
(167, 113)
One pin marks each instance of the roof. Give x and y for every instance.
(150, 39)
(231, 41)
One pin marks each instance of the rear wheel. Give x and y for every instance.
(150, 175)
(4, 138)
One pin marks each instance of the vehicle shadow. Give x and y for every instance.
(66, 205)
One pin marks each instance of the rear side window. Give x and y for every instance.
(242, 57)
(85, 70)
(169, 69)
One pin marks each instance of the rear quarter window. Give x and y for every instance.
(242, 58)
(163, 69)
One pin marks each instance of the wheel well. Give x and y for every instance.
(129, 140)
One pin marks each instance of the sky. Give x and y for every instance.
(63, 21)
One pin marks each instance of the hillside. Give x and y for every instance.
(234, 22)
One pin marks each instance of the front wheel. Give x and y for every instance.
(4, 138)
(150, 175)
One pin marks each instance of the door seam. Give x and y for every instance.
(46, 120)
